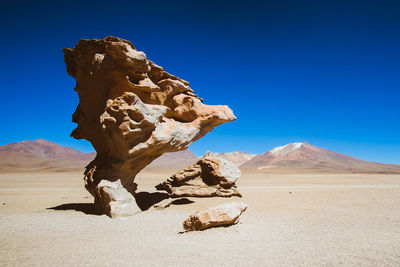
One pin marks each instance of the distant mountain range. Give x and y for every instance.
(43, 155)
(305, 157)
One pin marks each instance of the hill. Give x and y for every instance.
(43, 155)
(305, 157)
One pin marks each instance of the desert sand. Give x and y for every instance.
(309, 219)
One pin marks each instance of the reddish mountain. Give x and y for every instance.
(305, 157)
(173, 161)
(43, 155)
(41, 148)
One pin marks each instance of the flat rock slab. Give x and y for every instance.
(222, 215)
(172, 201)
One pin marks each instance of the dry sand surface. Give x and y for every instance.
(318, 220)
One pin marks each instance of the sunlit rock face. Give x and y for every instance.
(208, 177)
(132, 111)
(222, 215)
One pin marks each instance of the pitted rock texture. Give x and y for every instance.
(132, 111)
(209, 177)
(222, 215)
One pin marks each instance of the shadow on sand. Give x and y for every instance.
(182, 201)
(87, 208)
(144, 200)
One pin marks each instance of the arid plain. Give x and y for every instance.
(323, 219)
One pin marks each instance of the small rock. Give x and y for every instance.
(221, 215)
(163, 204)
(170, 201)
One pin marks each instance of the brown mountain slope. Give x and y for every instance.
(173, 161)
(236, 157)
(305, 157)
(41, 148)
(43, 155)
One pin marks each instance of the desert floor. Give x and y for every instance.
(318, 219)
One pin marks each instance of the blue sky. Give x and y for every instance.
(324, 72)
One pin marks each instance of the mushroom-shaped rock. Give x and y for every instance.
(209, 177)
(132, 111)
(221, 215)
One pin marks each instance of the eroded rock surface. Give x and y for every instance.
(221, 215)
(208, 177)
(132, 111)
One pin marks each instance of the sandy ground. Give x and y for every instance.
(302, 220)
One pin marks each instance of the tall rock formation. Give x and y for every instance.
(132, 111)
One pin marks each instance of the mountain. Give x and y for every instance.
(43, 155)
(173, 161)
(236, 157)
(305, 157)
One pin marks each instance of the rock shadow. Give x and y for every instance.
(145, 200)
(182, 201)
(87, 208)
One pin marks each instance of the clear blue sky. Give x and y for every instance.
(324, 72)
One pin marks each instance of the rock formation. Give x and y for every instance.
(132, 111)
(208, 177)
(221, 215)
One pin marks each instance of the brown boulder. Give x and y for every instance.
(221, 215)
(209, 177)
(132, 111)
